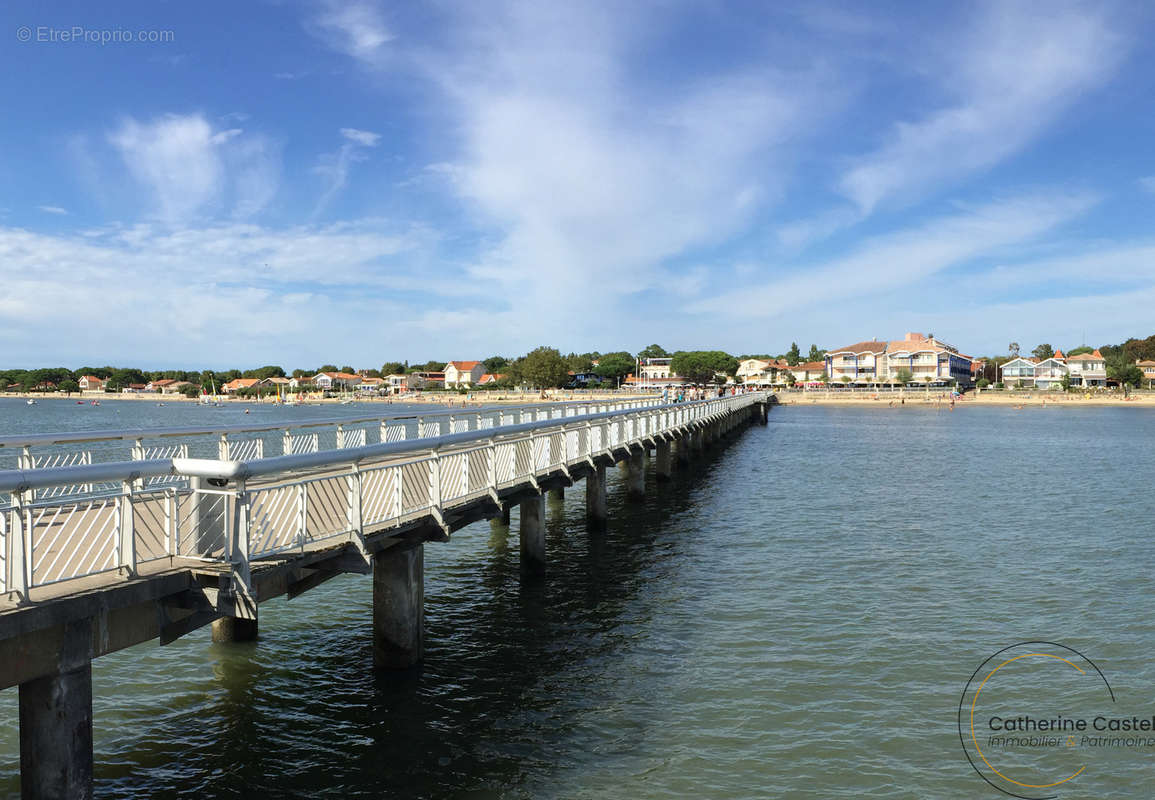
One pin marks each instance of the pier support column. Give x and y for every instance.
(233, 629)
(596, 510)
(683, 450)
(533, 535)
(557, 493)
(505, 508)
(636, 476)
(56, 736)
(399, 607)
(662, 461)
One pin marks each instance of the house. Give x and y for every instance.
(926, 359)
(753, 372)
(1148, 369)
(1088, 369)
(1050, 372)
(426, 380)
(397, 383)
(133, 388)
(861, 362)
(301, 383)
(370, 385)
(159, 386)
(1019, 372)
(336, 380)
(91, 383)
(810, 372)
(240, 383)
(463, 373)
(491, 378)
(176, 387)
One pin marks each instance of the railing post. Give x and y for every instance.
(435, 480)
(223, 447)
(340, 436)
(170, 526)
(287, 442)
(302, 513)
(356, 522)
(126, 531)
(18, 550)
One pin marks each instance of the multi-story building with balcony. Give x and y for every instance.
(1088, 369)
(926, 359)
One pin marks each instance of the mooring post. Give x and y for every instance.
(636, 476)
(399, 607)
(533, 535)
(596, 511)
(662, 461)
(56, 735)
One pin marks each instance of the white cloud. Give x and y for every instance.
(354, 27)
(334, 167)
(366, 138)
(902, 259)
(188, 167)
(54, 210)
(1014, 72)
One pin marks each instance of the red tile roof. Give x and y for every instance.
(464, 366)
(863, 347)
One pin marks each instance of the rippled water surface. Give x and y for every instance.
(795, 616)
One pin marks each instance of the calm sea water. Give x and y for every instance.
(795, 617)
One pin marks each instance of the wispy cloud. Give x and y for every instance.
(904, 258)
(354, 27)
(334, 167)
(188, 167)
(54, 210)
(1015, 72)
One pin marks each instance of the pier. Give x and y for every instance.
(102, 553)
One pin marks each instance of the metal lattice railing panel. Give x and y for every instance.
(353, 437)
(49, 460)
(246, 449)
(166, 451)
(454, 476)
(74, 539)
(380, 499)
(303, 443)
(203, 523)
(153, 525)
(274, 519)
(415, 485)
(327, 509)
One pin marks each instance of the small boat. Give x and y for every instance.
(30, 402)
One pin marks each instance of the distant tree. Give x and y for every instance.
(347, 369)
(793, 355)
(190, 390)
(301, 373)
(845, 379)
(69, 385)
(544, 368)
(1126, 374)
(982, 383)
(653, 351)
(703, 366)
(614, 366)
(328, 368)
(264, 372)
(1043, 351)
(392, 368)
(1078, 351)
(1065, 383)
(579, 362)
(815, 354)
(373, 373)
(903, 376)
(495, 364)
(1013, 349)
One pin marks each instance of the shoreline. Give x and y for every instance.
(988, 398)
(485, 398)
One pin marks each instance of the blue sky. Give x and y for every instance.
(355, 182)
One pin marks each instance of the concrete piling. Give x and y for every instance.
(663, 464)
(636, 476)
(596, 510)
(56, 736)
(399, 607)
(234, 629)
(533, 535)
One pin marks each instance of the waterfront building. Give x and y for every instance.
(810, 372)
(1148, 369)
(91, 383)
(463, 373)
(489, 378)
(240, 383)
(336, 380)
(1019, 372)
(1049, 372)
(1088, 369)
(928, 360)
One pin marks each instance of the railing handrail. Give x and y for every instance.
(74, 437)
(20, 480)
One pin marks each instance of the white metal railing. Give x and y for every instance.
(240, 510)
